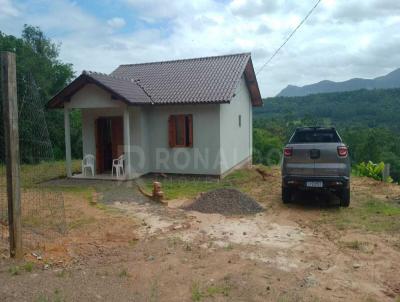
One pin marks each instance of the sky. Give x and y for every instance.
(342, 39)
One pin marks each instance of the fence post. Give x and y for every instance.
(386, 172)
(11, 137)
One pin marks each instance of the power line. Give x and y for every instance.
(288, 38)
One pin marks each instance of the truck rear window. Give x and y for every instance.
(315, 136)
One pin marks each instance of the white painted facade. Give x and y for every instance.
(219, 142)
(236, 140)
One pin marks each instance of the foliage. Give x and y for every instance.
(267, 147)
(38, 63)
(365, 108)
(371, 170)
(367, 120)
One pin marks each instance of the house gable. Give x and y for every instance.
(92, 96)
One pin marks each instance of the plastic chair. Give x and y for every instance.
(88, 163)
(118, 165)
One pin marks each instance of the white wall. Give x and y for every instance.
(140, 155)
(202, 158)
(218, 142)
(236, 142)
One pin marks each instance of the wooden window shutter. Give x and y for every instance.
(190, 127)
(171, 131)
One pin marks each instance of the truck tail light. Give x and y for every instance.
(288, 151)
(342, 151)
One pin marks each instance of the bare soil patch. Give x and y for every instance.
(136, 250)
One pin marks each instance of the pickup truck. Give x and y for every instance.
(316, 159)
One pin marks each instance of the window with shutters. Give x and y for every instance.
(180, 130)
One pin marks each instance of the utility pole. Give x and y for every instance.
(11, 137)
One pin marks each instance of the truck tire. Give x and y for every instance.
(286, 195)
(345, 198)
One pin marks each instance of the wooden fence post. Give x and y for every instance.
(11, 137)
(386, 172)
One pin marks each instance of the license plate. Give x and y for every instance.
(314, 184)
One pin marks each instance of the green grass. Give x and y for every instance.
(109, 209)
(28, 267)
(34, 174)
(84, 191)
(175, 189)
(57, 297)
(81, 222)
(123, 273)
(17, 269)
(239, 176)
(14, 270)
(216, 290)
(228, 247)
(154, 291)
(178, 187)
(198, 293)
(44, 171)
(369, 214)
(42, 298)
(62, 273)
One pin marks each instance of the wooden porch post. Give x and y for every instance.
(127, 143)
(67, 128)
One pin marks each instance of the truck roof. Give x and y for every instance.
(314, 128)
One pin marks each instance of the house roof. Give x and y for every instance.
(190, 81)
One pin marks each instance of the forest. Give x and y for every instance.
(367, 120)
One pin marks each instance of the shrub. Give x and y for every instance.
(371, 170)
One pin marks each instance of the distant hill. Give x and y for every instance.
(391, 80)
(366, 108)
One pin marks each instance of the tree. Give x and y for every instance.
(38, 64)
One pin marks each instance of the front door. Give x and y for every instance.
(109, 142)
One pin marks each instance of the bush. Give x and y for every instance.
(267, 148)
(371, 170)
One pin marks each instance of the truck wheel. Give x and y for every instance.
(286, 195)
(345, 198)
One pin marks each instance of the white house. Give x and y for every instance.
(191, 116)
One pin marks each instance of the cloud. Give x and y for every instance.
(154, 10)
(8, 9)
(341, 39)
(359, 11)
(116, 22)
(252, 8)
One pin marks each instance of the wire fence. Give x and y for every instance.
(42, 209)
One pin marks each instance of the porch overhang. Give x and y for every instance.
(121, 89)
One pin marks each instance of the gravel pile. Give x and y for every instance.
(226, 202)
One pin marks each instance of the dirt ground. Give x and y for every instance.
(130, 249)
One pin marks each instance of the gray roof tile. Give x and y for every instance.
(199, 80)
(190, 81)
(124, 87)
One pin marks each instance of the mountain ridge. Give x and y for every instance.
(390, 80)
